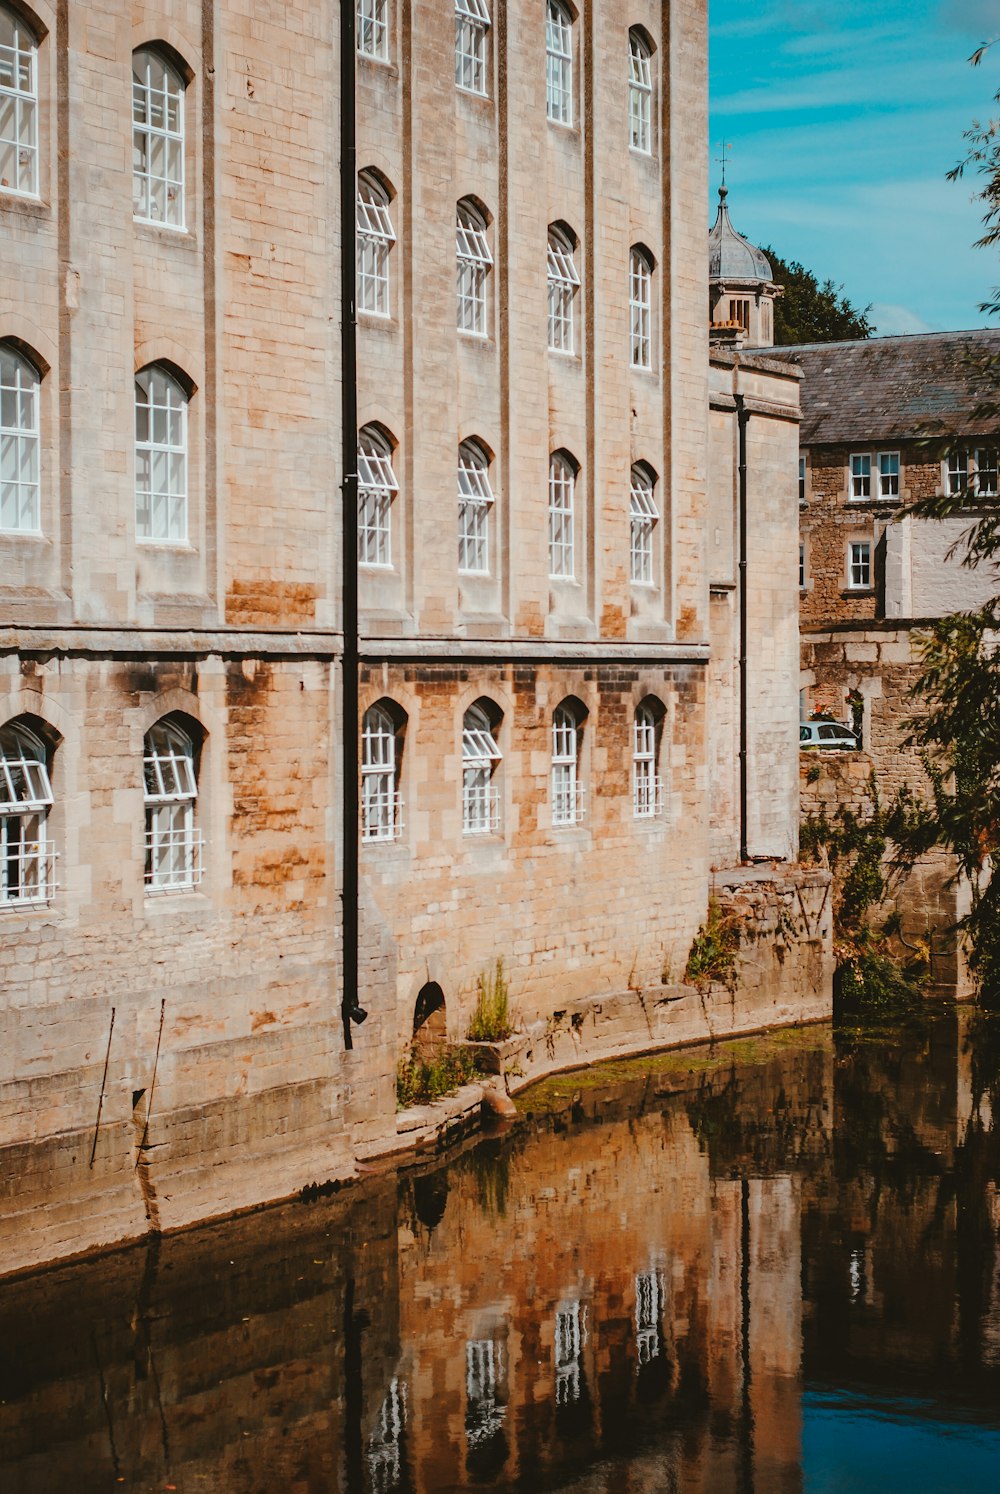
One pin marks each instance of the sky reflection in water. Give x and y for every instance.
(771, 1268)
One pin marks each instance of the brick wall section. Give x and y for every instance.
(913, 576)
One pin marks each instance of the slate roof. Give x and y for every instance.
(895, 388)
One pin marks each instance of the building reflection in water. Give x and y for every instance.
(645, 1285)
(385, 1446)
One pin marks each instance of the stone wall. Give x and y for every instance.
(912, 574)
(171, 1056)
(768, 393)
(927, 900)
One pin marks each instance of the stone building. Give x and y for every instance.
(535, 525)
(885, 422)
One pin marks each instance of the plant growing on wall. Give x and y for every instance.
(715, 947)
(491, 1020)
(418, 1082)
(871, 973)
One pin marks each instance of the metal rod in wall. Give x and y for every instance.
(743, 420)
(349, 728)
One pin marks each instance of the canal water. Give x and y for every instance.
(771, 1266)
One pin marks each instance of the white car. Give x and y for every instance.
(827, 736)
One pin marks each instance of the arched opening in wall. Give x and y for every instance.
(430, 1022)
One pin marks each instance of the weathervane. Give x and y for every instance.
(725, 146)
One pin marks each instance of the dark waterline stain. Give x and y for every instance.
(770, 1266)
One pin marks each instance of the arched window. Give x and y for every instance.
(377, 487)
(647, 796)
(558, 63)
(474, 264)
(567, 790)
(381, 806)
(157, 139)
(170, 790)
(27, 859)
(480, 756)
(640, 298)
(475, 499)
(564, 282)
(161, 445)
(640, 93)
(643, 514)
(18, 106)
(376, 237)
(373, 29)
(472, 22)
(20, 507)
(562, 485)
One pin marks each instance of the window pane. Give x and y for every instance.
(157, 140)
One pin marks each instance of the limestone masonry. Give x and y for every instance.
(568, 519)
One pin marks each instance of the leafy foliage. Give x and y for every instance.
(715, 947)
(957, 721)
(418, 1082)
(813, 312)
(490, 1022)
(871, 974)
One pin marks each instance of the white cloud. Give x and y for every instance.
(977, 17)
(894, 321)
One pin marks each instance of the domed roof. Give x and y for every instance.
(730, 255)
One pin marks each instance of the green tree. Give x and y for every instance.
(811, 312)
(956, 722)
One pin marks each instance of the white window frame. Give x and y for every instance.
(474, 262)
(567, 790)
(27, 856)
(647, 789)
(802, 481)
(484, 1377)
(480, 756)
(161, 458)
(475, 499)
(648, 1315)
(558, 63)
(170, 793)
(472, 24)
(888, 476)
(373, 30)
(375, 238)
(643, 518)
(957, 469)
(157, 140)
(377, 488)
(859, 565)
(640, 295)
(562, 520)
(640, 94)
(570, 1339)
(988, 464)
(19, 92)
(20, 444)
(860, 489)
(802, 566)
(563, 284)
(381, 804)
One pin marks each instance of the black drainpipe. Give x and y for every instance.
(743, 420)
(349, 515)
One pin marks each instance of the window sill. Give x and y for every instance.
(28, 203)
(858, 591)
(22, 534)
(184, 900)
(172, 547)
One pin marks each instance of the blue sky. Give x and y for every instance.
(843, 120)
